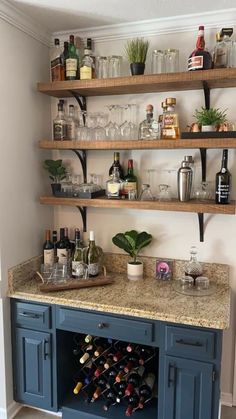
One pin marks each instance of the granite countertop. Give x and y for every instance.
(148, 298)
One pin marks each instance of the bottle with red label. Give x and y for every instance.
(200, 59)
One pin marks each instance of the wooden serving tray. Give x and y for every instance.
(72, 284)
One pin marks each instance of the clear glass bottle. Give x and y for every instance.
(149, 128)
(59, 123)
(117, 164)
(114, 184)
(223, 49)
(71, 123)
(193, 268)
(78, 257)
(87, 65)
(170, 123)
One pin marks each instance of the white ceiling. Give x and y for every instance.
(59, 15)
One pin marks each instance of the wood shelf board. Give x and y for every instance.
(191, 206)
(139, 144)
(150, 83)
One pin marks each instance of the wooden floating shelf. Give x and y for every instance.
(139, 144)
(174, 205)
(150, 83)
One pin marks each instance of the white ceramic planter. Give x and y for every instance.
(135, 271)
(208, 128)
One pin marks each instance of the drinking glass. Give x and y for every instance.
(112, 129)
(102, 67)
(203, 191)
(82, 129)
(164, 194)
(60, 272)
(233, 54)
(171, 60)
(46, 272)
(114, 66)
(158, 61)
(99, 130)
(132, 194)
(66, 185)
(146, 193)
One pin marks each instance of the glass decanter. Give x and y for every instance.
(193, 268)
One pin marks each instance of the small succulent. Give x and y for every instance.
(136, 50)
(212, 116)
(132, 242)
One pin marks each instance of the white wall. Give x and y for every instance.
(173, 233)
(24, 116)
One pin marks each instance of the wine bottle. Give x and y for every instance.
(146, 390)
(48, 250)
(133, 360)
(67, 243)
(130, 180)
(223, 181)
(54, 241)
(87, 354)
(134, 380)
(109, 359)
(101, 385)
(90, 390)
(78, 387)
(89, 370)
(101, 345)
(145, 354)
(131, 347)
(100, 367)
(77, 258)
(200, 59)
(111, 399)
(120, 348)
(62, 253)
(132, 404)
(92, 256)
(117, 164)
(121, 367)
(112, 376)
(120, 390)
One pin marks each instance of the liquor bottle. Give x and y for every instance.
(92, 257)
(114, 184)
(71, 61)
(226, 44)
(130, 180)
(117, 164)
(86, 69)
(90, 49)
(110, 400)
(54, 241)
(48, 250)
(132, 404)
(59, 123)
(64, 57)
(67, 242)
(146, 390)
(71, 123)
(170, 122)
(149, 128)
(77, 263)
(223, 181)
(62, 252)
(134, 380)
(56, 62)
(200, 59)
(78, 387)
(101, 385)
(193, 268)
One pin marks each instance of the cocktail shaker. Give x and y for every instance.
(185, 179)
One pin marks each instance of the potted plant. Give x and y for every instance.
(57, 172)
(209, 119)
(136, 51)
(132, 242)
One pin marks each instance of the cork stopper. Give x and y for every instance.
(149, 109)
(170, 101)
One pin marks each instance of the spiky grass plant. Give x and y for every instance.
(136, 50)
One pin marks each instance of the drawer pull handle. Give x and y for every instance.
(184, 342)
(102, 325)
(30, 315)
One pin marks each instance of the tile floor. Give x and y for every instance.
(26, 413)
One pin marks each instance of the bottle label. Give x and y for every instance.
(71, 131)
(223, 192)
(77, 269)
(59, 131)
(93, 269)
(195, 62)
(48, 256)
(71, 67)
(62, 255)
(113, 188)
(85, 73)
(169, 120)
(56, 69)
(128, 186)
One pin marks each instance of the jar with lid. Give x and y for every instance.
(193, 268)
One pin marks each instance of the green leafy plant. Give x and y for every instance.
(57, 172)
(136, 50)
(212, 116)
(132, 242)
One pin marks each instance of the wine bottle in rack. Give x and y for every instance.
(110, 400)
(120, 348)
(88, 338)
(101, 385)
(87, 354)
(134, 380)
(132, 404)
(100, 367)
(133, 361)
(146, 390)
(109, 359)
(120, 390)
(121, 366)
(131, 347)
(101, 346)
(89, 391)
(145, 354)
(89, 370)
(78, 387)
(112, 376)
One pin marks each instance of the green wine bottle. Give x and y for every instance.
(77, 258)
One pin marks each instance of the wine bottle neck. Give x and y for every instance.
(200, 41)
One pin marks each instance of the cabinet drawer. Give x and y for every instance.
(189, 343)
(105, 326)
(32, 315)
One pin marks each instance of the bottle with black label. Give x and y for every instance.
(48, 250)
(223, 181)
(62, 252)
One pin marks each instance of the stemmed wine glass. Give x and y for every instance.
(112, 129)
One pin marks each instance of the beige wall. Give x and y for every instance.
(24, 116)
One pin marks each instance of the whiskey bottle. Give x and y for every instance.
(200, 59)
(71, 61)
(86, 69)
(223, 181)
(170, 122)
(149, 128)
(117, 164)
(59, 123)
(48, 250)
(56, 62)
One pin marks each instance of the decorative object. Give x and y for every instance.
(57, 172)
(164, 269)
(132, 242)
(136, 51)
(209, 119)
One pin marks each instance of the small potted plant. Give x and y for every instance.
(132, 242)
(57, 172)
(209, 119)
(136, 51)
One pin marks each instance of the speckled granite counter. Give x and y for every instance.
(148, 298)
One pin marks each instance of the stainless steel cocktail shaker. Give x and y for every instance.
(185, 179)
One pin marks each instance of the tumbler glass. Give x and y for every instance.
(114, 66)
(158, 61)
(233, 54)
(172, 60)
(102, 67)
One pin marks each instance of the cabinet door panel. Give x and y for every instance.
(33, 368)
(188, 389)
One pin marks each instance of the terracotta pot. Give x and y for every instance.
(137, 68)
(135, 270)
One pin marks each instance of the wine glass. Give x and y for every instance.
(164, 194)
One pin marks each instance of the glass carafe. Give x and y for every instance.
(193, 268)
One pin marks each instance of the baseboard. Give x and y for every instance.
(226, 399)
(11, 411)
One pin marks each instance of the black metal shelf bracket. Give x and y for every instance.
(83, 212)
(80, 99)
(201, 226)
(207, 91)
(83, 161)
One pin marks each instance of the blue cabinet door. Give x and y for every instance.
(32, 366)
(187, 389)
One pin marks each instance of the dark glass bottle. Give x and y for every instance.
(48, 249)
(71, 61)
(130, 180)
(146, 390)
(223, 181)
(111, 399)
(62, 253)
(67, 242)
(101, 385)
(64, 57)
(133, 361)
(200, 59)
(88, 352)
(132, 404)
(145, 354)
(120, 390)
(54, 241)
(117, 164)
(134, 380)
